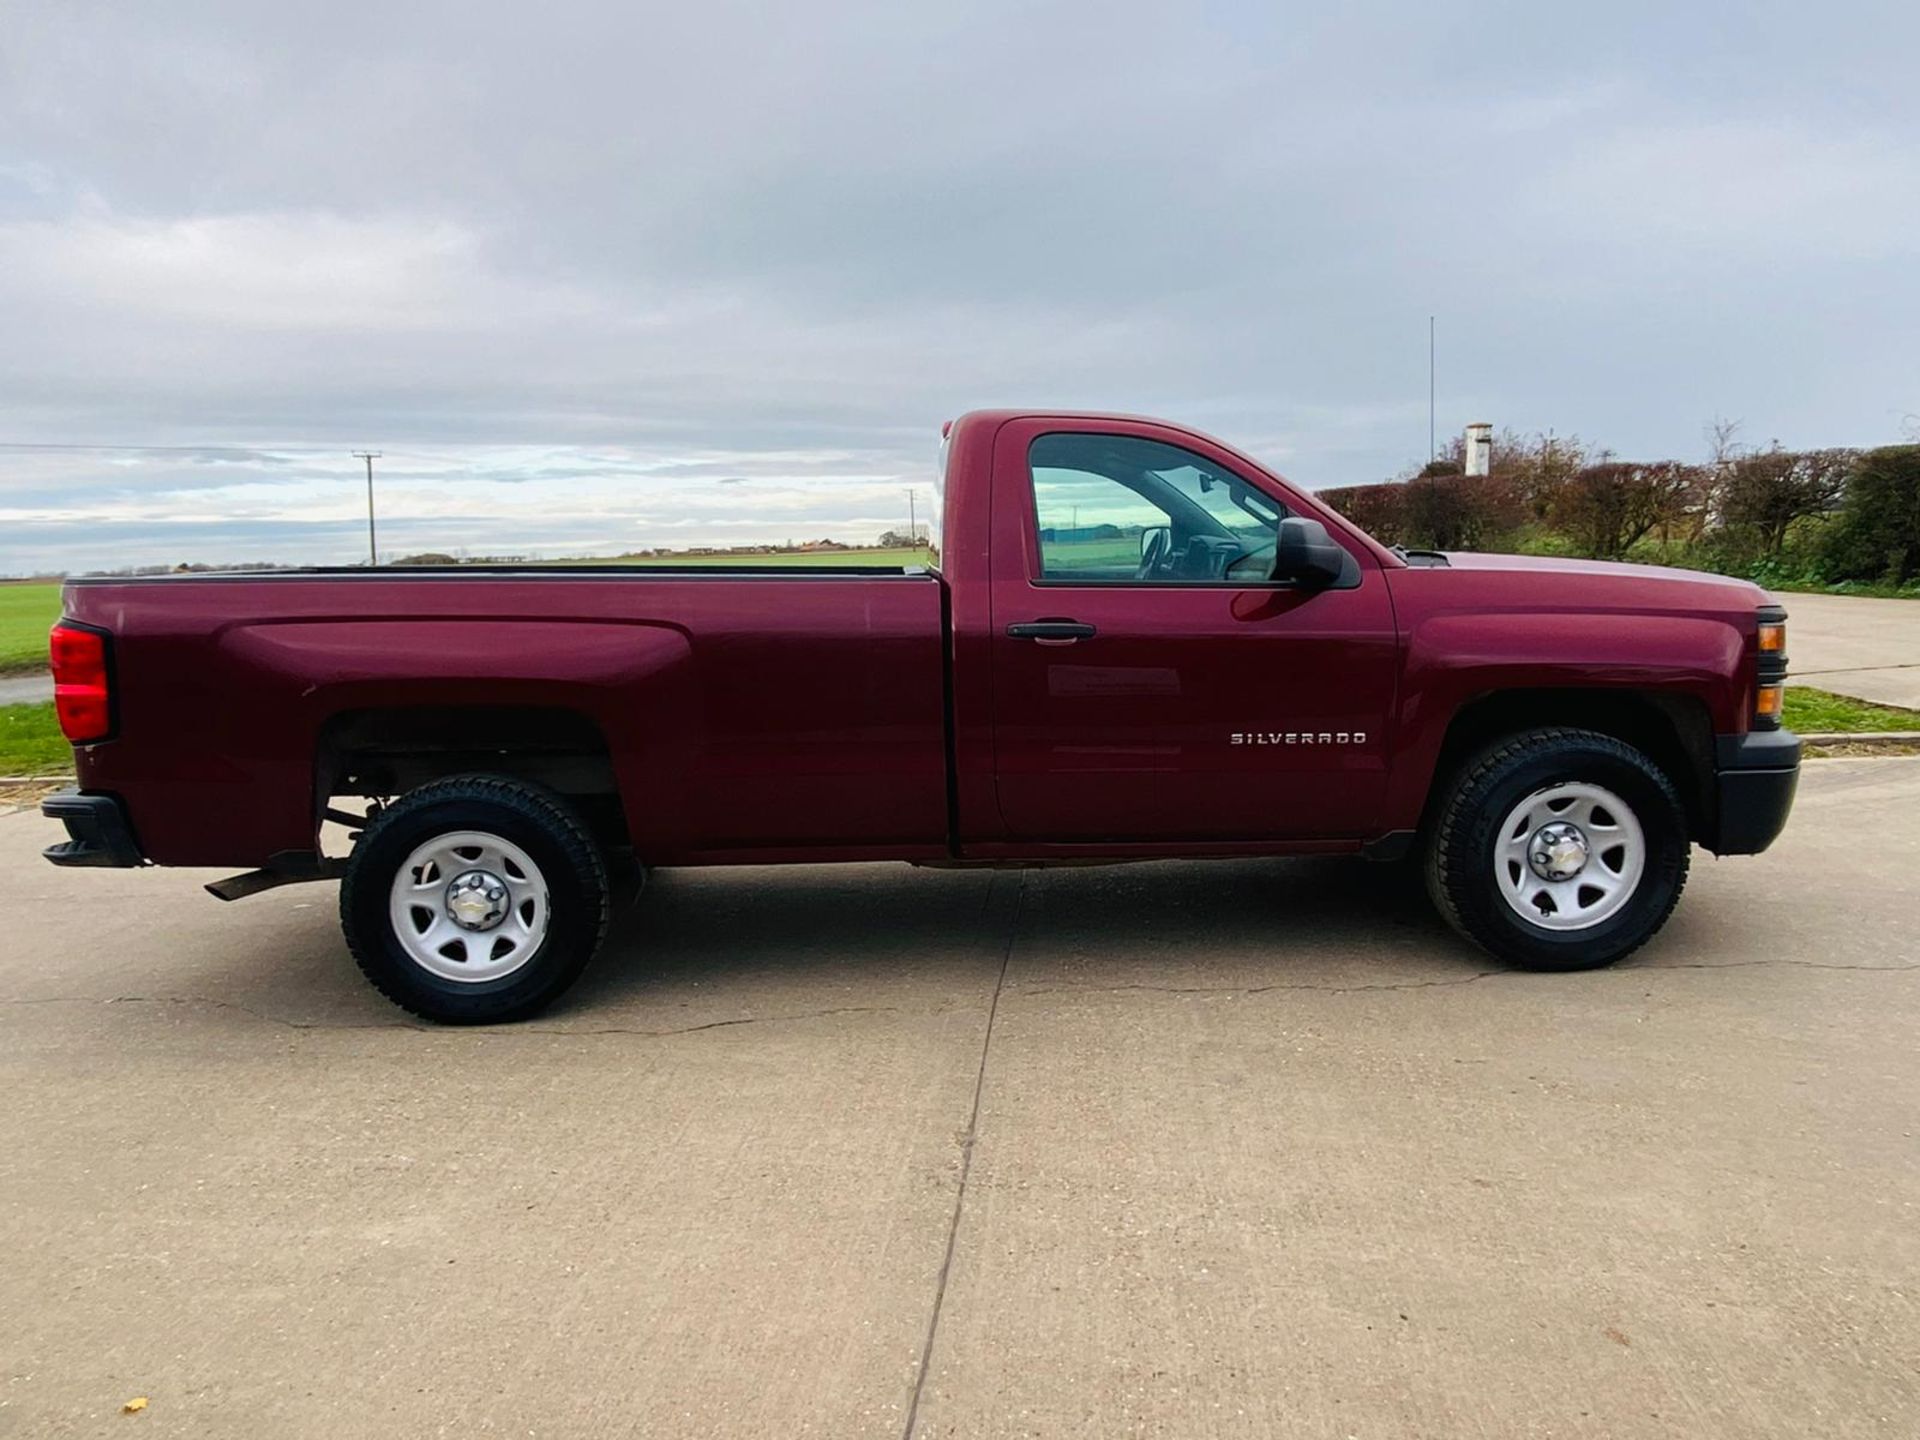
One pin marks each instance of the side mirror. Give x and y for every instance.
(1147, 541)
(1304, 553)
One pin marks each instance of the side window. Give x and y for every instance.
(1117, 508)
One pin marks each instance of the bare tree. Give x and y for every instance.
(1768, 490)
(1607, 508)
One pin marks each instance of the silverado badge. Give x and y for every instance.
(1298, 737)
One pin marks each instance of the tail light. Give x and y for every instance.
(82, 687)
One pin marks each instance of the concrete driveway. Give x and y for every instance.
(1183, 1149)
(1869, 649)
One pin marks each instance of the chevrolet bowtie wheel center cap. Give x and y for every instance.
(1558, 851)
(477, 900)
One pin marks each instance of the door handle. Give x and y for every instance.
(1058, 632)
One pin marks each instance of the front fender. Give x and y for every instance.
(1452, 661)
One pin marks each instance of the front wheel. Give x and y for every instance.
(474, 899)
(1559, 850)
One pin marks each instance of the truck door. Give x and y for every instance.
(1150, 680)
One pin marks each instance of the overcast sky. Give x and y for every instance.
(599, 276)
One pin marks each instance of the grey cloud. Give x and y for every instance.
(783, 243)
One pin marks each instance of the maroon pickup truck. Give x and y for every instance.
(1135, 643)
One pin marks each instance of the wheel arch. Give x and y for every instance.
(380, 751)
(1674, 731)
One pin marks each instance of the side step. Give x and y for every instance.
(293, 868)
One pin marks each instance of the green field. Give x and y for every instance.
(808, 559)
(26, 613)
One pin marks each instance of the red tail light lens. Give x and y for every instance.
(80, 692)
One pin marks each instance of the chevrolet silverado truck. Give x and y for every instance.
(1133, 642)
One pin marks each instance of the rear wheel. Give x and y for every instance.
(474, 899)
(1559, 850)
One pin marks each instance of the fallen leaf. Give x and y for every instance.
(134, 1406)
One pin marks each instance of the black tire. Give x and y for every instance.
(1461, 858)
(532, 819)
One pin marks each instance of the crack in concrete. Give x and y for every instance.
(1263, 989)
(1438, 984)
(495, 1032)
(1751, 964)
(1859, 669)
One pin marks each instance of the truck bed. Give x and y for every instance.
(739, 713)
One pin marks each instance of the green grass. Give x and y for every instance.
(1814, 712)
(27, 612)
(31, 742)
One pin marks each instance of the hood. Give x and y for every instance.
(1744, 592)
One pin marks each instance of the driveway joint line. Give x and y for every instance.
(966, 1168)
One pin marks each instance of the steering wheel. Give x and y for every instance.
(1157, 546)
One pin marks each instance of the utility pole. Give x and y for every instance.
(373, 553)
(913, 533)
(1432, 450)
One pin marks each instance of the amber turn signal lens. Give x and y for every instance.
(1768, 700)
(1773, 637)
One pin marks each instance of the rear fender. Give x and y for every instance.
(302, 677)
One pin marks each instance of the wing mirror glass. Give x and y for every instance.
(1148, 543)
(1304, 553)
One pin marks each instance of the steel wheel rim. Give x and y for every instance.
(434, 907)
(1615, 857)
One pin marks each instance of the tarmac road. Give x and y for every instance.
(1241, 1149)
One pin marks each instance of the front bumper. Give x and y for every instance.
(1755, 777)
(99, 833)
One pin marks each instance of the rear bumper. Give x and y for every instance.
(99, 833)
(1755, 778)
